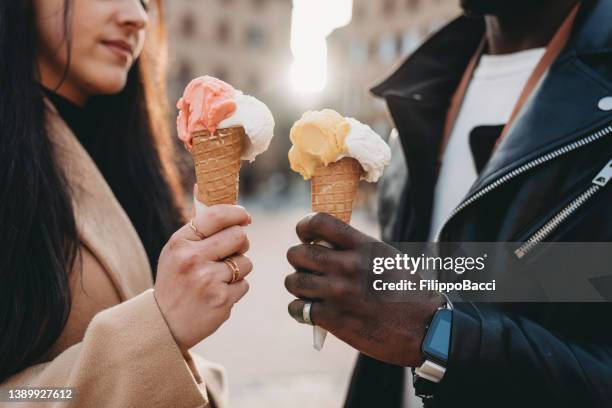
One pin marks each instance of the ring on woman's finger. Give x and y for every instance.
(231, 263)
(195, 229)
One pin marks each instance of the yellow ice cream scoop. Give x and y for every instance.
(318, 139)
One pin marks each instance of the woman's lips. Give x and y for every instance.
(120, 48)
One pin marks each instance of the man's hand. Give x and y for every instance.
(334, 278)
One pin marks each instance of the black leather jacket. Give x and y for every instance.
(515, 355)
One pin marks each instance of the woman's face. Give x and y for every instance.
(106, 37)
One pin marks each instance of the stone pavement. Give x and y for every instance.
(268, 356)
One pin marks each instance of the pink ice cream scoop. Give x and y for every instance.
(206, 102)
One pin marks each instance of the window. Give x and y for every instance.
(388, 7)
(188, 26)
(372, 48)
(253, 82)
(410, 40)
(223, 32)
(358, 52)
(258, 4)
(185, 72)
(221, 73)
(255, 37)
(387, 49)
(398, 43)
(358, 12)
(412, 4)
(355, 98)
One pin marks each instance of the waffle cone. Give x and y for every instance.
(217, 164)
(334, 187)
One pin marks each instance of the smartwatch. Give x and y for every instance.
(435, 350)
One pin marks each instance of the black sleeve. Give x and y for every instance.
(375, 384)
(501, 358)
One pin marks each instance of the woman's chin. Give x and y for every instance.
(109, 84)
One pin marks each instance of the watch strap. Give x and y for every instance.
(423, 388)
(431, 371)
(425, 378)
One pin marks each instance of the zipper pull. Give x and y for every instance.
(604, 175)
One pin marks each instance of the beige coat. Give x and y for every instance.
(116, 349)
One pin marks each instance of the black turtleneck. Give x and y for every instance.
(78, 118)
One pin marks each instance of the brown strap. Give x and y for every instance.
(553, 49)
(458, 96)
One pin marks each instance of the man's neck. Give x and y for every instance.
(534, 28)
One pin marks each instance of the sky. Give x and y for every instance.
(312, 22)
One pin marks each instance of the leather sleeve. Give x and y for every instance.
(504, 357)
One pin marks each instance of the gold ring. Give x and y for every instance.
(195, 230)
(234, 267)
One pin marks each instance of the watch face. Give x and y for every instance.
(437, 340)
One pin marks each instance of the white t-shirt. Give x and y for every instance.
(495, 87)
(490, 98)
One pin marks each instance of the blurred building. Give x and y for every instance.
(243, 42)
(247, 43)
(380, 35)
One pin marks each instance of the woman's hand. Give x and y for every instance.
(193, 286)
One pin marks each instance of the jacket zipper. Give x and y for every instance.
(522, 169)
(540, 235)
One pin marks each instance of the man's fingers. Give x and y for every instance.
(316, 258)
(325, 227)
(306, 285)
(318, 312)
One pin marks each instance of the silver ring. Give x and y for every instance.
(306, 313)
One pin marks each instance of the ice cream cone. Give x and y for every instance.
(334, 187)
(335, 152)
(217, 164)
(333, 190)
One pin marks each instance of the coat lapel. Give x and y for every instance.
(102, 224)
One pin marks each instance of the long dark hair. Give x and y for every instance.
(39, 243)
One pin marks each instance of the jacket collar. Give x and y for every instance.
(593, 33)
(563, 108)
(435, 68)
(102, 225)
